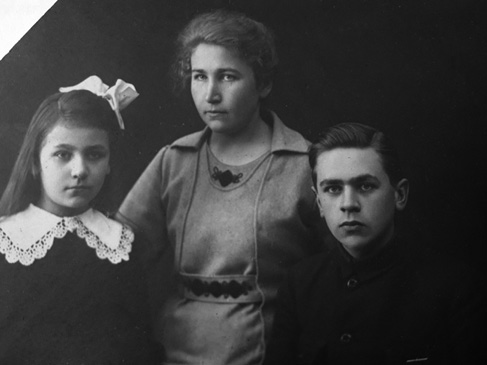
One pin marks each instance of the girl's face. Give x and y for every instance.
(224, 90)
(74, 162)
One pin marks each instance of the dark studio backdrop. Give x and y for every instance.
(414, 69)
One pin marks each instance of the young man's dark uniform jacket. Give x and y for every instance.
(398, 307)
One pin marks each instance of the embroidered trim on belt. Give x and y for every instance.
(217, 289)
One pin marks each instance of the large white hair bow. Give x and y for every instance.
(119, 95)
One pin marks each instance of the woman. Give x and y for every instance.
(233, 202)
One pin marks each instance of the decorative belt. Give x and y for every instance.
(221, 289)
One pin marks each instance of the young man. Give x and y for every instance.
(373, 299)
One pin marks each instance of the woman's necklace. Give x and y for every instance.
(225, 177)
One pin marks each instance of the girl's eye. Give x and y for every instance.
(199, 77)
(63, 155)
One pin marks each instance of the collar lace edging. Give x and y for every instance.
(115, 251)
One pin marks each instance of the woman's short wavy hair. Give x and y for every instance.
(250, 39)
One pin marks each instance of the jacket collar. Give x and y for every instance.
(388, 257)
(283, 138)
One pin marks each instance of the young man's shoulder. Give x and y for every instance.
(309, 272)
(432, 259)
(442, 266)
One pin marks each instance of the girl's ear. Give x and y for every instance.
(401, 194)
(35, 171)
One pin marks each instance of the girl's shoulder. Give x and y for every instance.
(28, 235)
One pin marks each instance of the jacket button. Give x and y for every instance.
(346, 338)
(352, 283)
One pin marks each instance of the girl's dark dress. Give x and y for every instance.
(77, 304)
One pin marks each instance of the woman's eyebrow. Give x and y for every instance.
(96, 146)
(218, 70)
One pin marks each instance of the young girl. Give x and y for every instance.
(72, 289)
(232, 204)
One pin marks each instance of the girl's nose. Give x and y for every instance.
(213, 94)
(79, 168)
(349, 202)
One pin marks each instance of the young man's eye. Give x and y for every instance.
(332, 189)
(367, 187)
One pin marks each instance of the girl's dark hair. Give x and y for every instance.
(251, 40)
(356, 135)
(76, 108)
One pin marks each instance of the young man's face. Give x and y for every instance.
(357, 199)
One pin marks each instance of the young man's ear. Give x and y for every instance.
(401, 194)
(317, 201)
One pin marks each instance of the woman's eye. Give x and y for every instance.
(96, 155)
(227, 77)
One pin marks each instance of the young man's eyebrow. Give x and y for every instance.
(362, 178)
(354, 180)
(331, 182)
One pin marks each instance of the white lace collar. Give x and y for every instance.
(28, 235)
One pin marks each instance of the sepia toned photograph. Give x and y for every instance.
(242, 182)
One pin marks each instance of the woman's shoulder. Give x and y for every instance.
(191, 141)
(287, 139)
(179, 149)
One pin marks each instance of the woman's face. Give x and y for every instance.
(224, 90)
(74, 162)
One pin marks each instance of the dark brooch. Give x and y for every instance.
(225, 177)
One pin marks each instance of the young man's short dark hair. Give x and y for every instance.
(356, 135)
